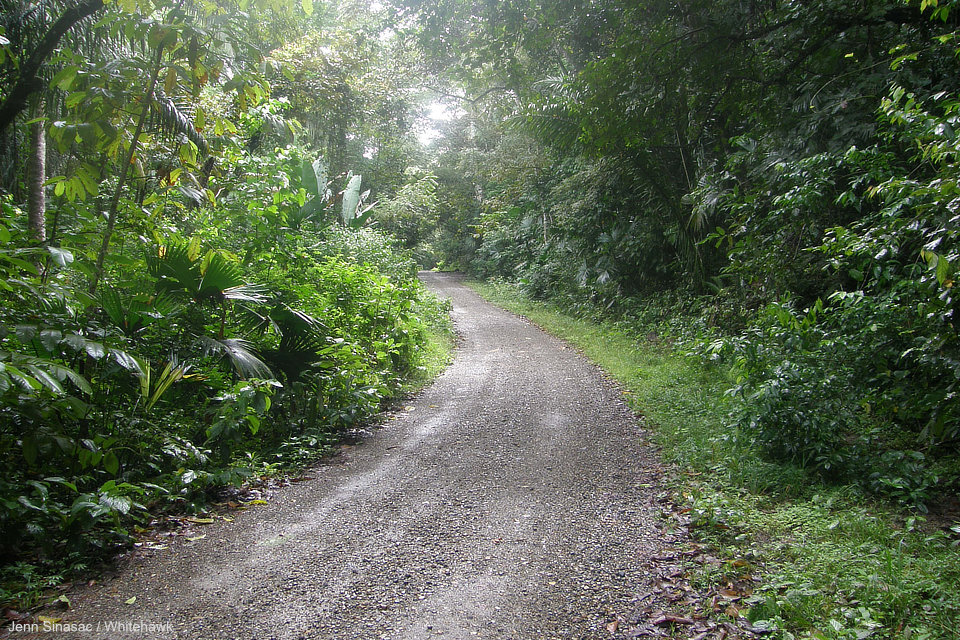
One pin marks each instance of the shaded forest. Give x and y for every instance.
(212, 213)
(772, 183)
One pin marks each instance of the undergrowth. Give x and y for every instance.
(832, 561)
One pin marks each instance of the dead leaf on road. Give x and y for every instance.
(669, 618)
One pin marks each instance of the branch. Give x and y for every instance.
(28, 82)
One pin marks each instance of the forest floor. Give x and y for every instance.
(515, 498)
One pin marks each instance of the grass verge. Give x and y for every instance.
(831, 562)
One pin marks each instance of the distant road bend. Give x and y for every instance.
(513, 499)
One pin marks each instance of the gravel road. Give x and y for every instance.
(512, 499)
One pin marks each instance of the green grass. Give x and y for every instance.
(832, 563)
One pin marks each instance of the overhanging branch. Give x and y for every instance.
(27, 81)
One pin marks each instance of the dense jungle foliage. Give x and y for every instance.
(192, 292)
(212, 213)
(774, 183)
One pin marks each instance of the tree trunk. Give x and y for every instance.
(36, 176)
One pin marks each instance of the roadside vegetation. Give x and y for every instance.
(192, 295)
(809, 558)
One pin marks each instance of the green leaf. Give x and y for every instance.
(170, 82)
(943, 270)
(23, 264)
(45, 378)
(128, 362)
(60, 256)
(30, 451)
(50, 338)
(120, 504)
(111, 463)
(95, 350)
(26, 332)
(75, 98)
(307, 7)
(351, 199)
(64, 78)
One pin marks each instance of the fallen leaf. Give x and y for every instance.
(258, 501)
(195, 538)
(733, 611)
(669, 618)
(130, 600)
(613, 626)
(47, 620)
(199, 520)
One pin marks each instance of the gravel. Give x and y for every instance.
(512, 499)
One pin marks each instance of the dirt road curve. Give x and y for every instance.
(512, 499)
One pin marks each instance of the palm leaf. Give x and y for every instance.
(302, 340)
(174, 270)
(241, 355)
(246, 293)
(173, 372)
(174, 119)
(33, 374)
(219, 276)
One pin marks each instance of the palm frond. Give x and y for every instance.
(132, 313)
(175, 119)
(302, 341)
(173, 268)
(550, 124)
(33, 374)
(219, 276)
(254, 293)
(241, 354)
